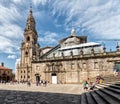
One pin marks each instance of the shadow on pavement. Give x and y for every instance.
(27, 97)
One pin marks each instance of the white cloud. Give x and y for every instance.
(37, 2)
(16, 1)
(6, 45)
(10, 31)
(9, 14)
(12, 56)
(100, 18)
(49, 37)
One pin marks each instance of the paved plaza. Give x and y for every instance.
(51, 94)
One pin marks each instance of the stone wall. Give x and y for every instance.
(74, 71)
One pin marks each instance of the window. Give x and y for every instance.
(28, 76)
(24, 76)
(26, 53)
(28, 38)
(21, 76)
(24, 71)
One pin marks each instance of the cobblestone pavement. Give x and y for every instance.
(22, 94)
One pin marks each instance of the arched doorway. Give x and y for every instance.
(0, 78)
(37, 77)
(8, 78)
(4, 77)
(54, 78)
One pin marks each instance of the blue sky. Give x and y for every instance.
(97, 19)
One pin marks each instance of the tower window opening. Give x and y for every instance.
(28, 38)
(26, 53)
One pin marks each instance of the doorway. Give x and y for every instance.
(37, 78)
(54, 78)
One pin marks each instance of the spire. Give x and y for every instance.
(30, 25)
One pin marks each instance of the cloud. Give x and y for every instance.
(96, 17)
(12, 56)
(17, 1)
(9, 14)
(37, 2)
(48, 37)
(10, 31)
(6, 45)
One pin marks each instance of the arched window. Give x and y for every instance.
(26, 53)
(28, 38)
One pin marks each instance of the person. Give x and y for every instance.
(97, 80)
(88, 80)
(44, 83)
(28, 83)
(37, 83)
(85, 85)
(40, 82)
(101, 80)
(91, 85)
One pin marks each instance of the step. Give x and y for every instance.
(113, 89)
(90, 100)
(110, 88)
(118, 84)
(115, 86)
(83, 99)
(98, 98)
(107, 98)
(112, 94)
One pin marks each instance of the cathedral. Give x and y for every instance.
(73, 60)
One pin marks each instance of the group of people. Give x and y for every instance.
(38, 83)
(89, 85)
(99, 79)
(41, 82)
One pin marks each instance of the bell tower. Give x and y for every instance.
(29, 49)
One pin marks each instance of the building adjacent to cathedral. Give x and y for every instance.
(71, 61)
(6, 74)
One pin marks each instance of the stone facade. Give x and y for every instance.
(71, 61)
(6, 74)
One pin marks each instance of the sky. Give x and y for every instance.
(99, 20)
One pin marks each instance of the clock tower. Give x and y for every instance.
(29, 49)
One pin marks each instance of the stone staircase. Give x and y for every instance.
(105, 93)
